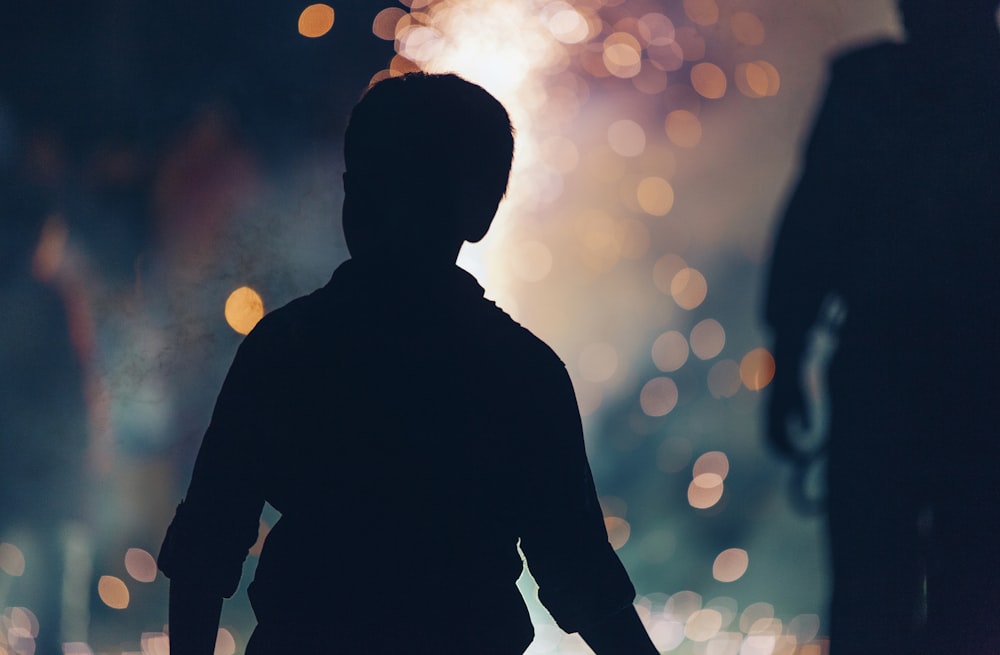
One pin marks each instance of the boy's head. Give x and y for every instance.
(427, 158)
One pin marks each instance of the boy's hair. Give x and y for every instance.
(423, 138)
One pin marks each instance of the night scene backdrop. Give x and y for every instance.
(170, 171)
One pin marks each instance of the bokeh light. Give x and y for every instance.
(670, 351)
(724, 378)
(667, 635)
(691, 43)
(566, 23)
(683, 128)
(155, 643)
(658, 396)
(714, 462)
(682, 605)
(705, 490)
(20, 620)
(622, 55)
(757, 369)
(805, 627)
(627, 138)
(755, 612)
(140, 565)
(618, 529)
(113, 592)
(656, 29)
(773, 77)
(11, 559)
(655, 195)
(703, 624)
(702, 12)
(650, 80)
(747, 28)
(244, 308)
(708, 80)
(385, 22)
(688, 288)
(316, 20)
(757, 79)
(708, 338)
(225, 643)
(730, 565)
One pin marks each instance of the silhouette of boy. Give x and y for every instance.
(410, 433)
(896, 215)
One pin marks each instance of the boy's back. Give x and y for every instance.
(409, 432)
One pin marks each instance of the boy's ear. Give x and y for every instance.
(476, 204)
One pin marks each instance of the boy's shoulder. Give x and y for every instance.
(515, 339)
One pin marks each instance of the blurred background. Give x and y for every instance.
(171, 171)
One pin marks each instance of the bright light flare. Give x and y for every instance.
(508, 47)
(499, 45)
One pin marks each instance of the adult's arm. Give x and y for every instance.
(810, 258)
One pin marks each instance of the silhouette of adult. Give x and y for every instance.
(410, 433)
(43, 433)
(896, 216)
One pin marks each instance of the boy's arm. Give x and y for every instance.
(581, 580)
(622, 633)
(216, 524)
(194, 619)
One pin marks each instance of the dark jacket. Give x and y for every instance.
(412, 435)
